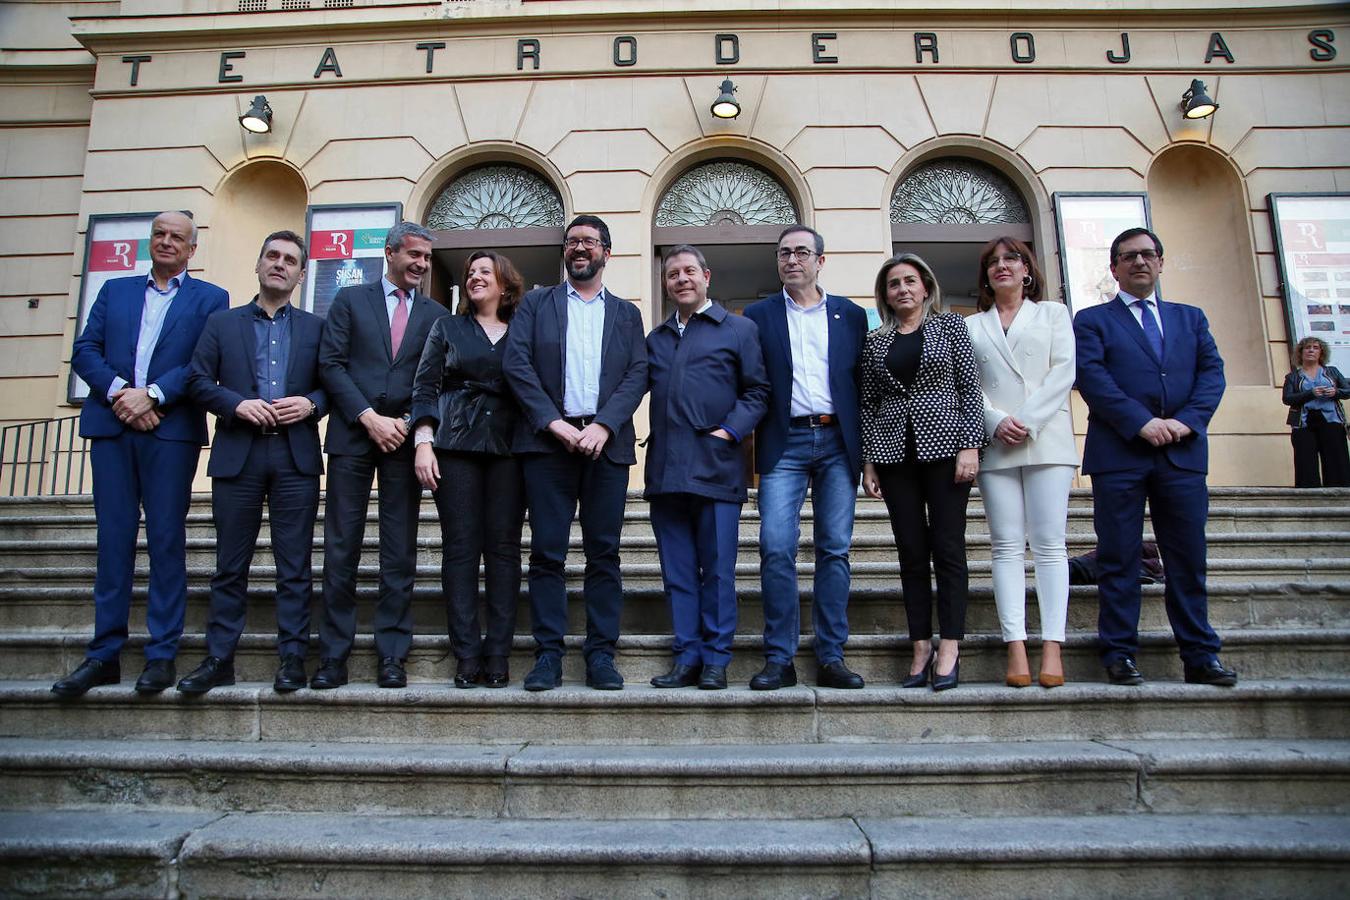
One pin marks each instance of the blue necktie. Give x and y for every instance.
(1150, 326)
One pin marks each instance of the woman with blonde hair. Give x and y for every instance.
(1313, 391)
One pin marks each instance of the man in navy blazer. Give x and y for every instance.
(256, 368)
(1152, 377)
(145, 437)
(372, 343)
(812, 433)
(576, 359)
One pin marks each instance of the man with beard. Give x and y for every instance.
(372, 343)
(257, 368)
(577, 361)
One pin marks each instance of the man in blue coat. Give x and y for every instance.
(709, 391)
(144, 440)
(1152, 377)
(257, 369)
(811, 434)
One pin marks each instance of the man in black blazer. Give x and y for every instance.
(576, 358)
(257, 368)
(372, 343)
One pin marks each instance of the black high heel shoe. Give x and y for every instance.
(921, 679)
(948, 681)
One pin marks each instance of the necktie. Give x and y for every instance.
(400, 321)
(1150, 325)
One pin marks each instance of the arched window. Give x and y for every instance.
(725, 192)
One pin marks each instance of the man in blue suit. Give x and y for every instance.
(144, 440)
(577, 361)
(1152, 377)
(812, 434)
(257, 369)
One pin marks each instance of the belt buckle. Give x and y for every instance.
(268, 431)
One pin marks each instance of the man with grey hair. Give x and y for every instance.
(371, 347)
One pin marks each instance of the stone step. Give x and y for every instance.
(438, 713)
(802, 781)
(884, 658)
(343, 855)
(873, 608)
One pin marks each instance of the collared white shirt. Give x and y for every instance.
(809, 339)
(391, 302)
(153, 313)
(681, 326)
(1151, 301)
(581, 368)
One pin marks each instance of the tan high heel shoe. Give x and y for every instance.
(1017, 659)
(1046, 679)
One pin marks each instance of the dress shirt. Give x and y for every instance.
(681, 326)
(1137, 312)
(581, 370)
(391, 301)
(271, 350)
(153, 313)
(809, 337)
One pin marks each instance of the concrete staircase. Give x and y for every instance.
(1165, 790)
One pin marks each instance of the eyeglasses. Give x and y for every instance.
(1129, 256)
(1006, 259)
(589, 243)
(801, 254)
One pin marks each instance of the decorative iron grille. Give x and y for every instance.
(726, 193)
(957, 192)
(497, 196)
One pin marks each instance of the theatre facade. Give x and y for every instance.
(885, 125)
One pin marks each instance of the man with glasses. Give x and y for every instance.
(811, 434)
(1152, 377)
(576, 358)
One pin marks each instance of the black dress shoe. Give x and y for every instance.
(921, 679)
(948, 681)
(1124, 671)
(391, 673)
(774, 676)
(679, 676)
(90, 673)
(468, 673)
(212, 673)
(601, 674)
(714, 679)
(332, 673)
(1212, 672)
(837, 675)
(158, 675)
(498, 672)
(546, 674)
(290, 674)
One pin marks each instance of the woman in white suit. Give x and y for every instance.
(1025, 350)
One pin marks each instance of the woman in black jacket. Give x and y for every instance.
(1313, 392)
(464, 416)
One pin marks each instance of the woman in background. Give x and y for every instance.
(1313, 392)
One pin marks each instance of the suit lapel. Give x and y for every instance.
(993, 328)
(560, 311)
(381, 313)
(607, 331)
(177, 309)
(297, 335)
(421, 308)
(248, 341)
(1171, 324)
(1131, 325)
(778, 320)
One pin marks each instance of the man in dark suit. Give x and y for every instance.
(372, 342)
(1152, 378)
(811, 434)
(257, 368)
(577, 361)
(144, 440)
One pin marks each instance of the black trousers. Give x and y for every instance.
(482, 508)
(928, 516)
(348, 498)
(1322, 441)
(555, 483)
(292, 498)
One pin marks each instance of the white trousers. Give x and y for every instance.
(1029, 503)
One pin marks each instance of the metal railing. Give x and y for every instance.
(44, 458)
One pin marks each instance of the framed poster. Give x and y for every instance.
(1085, 226)
(1312, 245)
(115, 246)
(346, 247)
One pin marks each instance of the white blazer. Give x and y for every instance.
(1028, 374)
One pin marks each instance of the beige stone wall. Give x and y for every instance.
(839, 136)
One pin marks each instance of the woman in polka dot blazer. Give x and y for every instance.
(922, 429)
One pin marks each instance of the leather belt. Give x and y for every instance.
(578, 421)
(821, 421)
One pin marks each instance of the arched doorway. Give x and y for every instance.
(733, 211)
(505, 207)
(945, 209)
(256, 200)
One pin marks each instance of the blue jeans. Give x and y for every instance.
(814, 456)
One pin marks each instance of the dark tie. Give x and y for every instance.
(1150, 325)
(400, 320)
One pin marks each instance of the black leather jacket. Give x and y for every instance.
(459, 389)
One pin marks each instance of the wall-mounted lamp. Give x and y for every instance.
(725, 106)
(1195, 103)
(258, 118)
